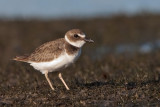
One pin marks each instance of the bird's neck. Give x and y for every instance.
(70, 49)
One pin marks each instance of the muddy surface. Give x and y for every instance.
(109, 79)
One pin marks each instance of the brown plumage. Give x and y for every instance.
(48, 51)
(23, 58)
(70, 34)
(70, 49)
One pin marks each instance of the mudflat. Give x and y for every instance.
(98, 78)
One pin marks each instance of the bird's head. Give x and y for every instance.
(77, 38)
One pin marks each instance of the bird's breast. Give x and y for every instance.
(73, 57)
(62, 61)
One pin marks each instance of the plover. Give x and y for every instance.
(58, 54)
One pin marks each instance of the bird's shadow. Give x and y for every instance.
(129, 85)
(93, 84)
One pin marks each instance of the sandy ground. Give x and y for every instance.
(108, 80)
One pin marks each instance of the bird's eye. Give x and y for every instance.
(76, 36)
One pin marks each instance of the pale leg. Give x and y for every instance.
(46, 75)
(60, 76)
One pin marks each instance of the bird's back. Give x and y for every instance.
(46, 52)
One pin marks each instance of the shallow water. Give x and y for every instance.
(130, 49)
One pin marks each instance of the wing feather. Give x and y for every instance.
(48, 51)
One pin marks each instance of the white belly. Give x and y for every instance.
(61, 62)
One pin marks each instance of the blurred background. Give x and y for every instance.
(125, 52)
(51, 9)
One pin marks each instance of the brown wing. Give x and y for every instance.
(48, 51)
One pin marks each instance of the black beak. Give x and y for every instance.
(88, 40)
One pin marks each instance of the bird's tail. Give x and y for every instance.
(21, 58)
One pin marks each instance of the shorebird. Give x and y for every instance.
(58, 54)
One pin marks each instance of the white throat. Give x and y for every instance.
(78, 44)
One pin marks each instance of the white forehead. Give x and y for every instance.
(82, 35)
